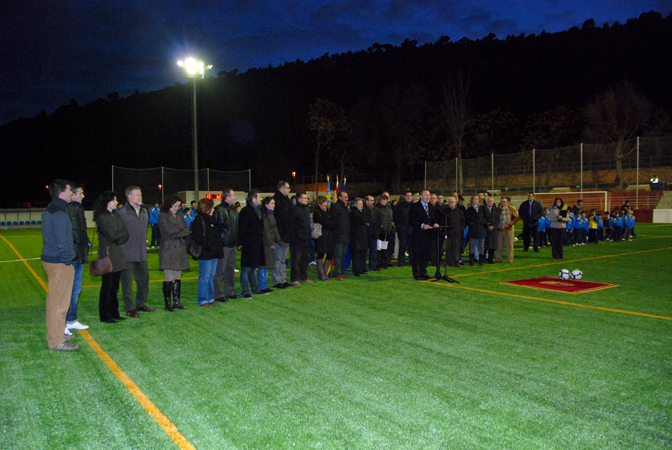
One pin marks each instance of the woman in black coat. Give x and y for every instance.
(359, 240)
(173, 257)
(205, 232)
(112, 234)
(251, 240)
(324, 245)
(383, 226)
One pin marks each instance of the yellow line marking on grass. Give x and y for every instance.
(40, 280)
(560, 262)
(154, 412)
(551, 301)
(163, 421)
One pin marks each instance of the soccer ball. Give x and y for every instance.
(564, 274)
(577, 274)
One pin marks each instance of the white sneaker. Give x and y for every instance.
(236, 270)
(312, 263)
(67, 332)
(75, 326)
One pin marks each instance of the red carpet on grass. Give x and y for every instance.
(558, 285)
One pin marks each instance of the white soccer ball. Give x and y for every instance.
(577, 274)
(564, 274)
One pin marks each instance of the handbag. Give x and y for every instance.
(101, 266)
(315, 230)
(194, 249)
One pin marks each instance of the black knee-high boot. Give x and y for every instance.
(471, 259)
(384, 263)
(481, 260)
(167, 288)
(177, 290)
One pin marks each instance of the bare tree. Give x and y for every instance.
(620, 114)
(325, 119)
(455, 111)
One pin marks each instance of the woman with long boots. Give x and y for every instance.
(173, 257)
(384, 226)
(324, 245)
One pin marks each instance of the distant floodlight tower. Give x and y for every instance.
(195, 70)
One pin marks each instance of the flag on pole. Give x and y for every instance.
(344, 180)
(328, 192)
(336, 185)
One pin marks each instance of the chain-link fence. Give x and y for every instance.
(626, 165)
(159, 182)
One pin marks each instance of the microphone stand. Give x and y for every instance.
(437, 275)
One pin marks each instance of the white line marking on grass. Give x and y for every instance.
(27, 259)
(20, 260)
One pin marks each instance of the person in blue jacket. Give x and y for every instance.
(58, 252)
(600, 227)
(616, 226)
(189, 215)
(569, 229)
(154, 223)
(585, 227)
(629, 225)
(542, 228)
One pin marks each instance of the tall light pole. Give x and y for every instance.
(195, 70)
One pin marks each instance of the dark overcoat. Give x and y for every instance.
(359, 239)
(205, 231)
(301, 224)
(325, 243)
(172, 249)
(382, 221)
(251, 237)
(135, 248)
(477, 222)
(491, 235)
(112, 233)
(271, 238)
(341, 219)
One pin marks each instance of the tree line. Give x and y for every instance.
(386, 110)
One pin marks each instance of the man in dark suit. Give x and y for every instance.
(530, 212)
(421, 219)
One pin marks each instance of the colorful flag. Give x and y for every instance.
(336, 185)
(328, 191)
(344, 180)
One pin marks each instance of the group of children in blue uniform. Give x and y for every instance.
(592, 229)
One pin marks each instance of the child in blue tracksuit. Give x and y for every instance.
(629, 224)
(569, 230)
(600, 228)
(542, 228)
(188, 216)
(616, 226)
(581, 229)
(154, 222)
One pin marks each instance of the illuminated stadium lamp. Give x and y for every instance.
(195, 69)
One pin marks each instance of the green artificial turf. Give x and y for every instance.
(379, 362)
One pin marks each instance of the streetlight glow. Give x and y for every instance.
(194, 67)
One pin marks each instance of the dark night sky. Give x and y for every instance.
(56, 50)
